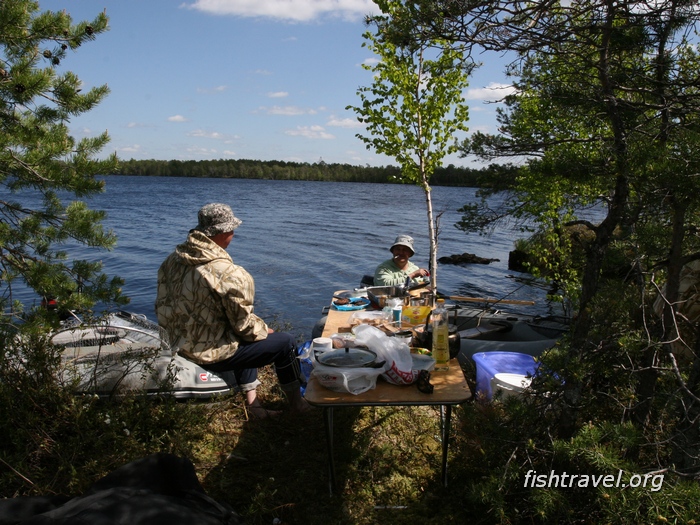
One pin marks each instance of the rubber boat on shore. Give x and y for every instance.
(123, 352)
(474, 330)
(494, 330)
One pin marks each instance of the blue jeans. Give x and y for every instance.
(278, 349)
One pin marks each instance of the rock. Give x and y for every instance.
(465, 258)
(517, 261)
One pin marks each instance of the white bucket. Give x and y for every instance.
(509, 384)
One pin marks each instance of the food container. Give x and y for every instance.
(372, 317)
(405, 336)
(380, 295)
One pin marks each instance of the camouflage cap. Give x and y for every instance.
(216, 218)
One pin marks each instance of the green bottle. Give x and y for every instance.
(441, 333)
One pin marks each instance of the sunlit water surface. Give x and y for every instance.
(301, 241)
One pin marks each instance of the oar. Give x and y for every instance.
(484, 300)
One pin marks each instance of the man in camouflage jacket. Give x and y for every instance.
(205, 304)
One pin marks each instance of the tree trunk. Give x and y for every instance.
(432, 233)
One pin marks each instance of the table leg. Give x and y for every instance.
(445, 424)
(328, 416)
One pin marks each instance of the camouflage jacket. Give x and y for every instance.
(205, 301)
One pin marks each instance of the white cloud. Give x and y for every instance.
(494, 91)
(309, 132)
(278, 94)
(213, 135)
(483, 129)
(205, 134)
(289, 10)
(201, 151)
(177, 118)
(289, 111)
(131, 149)
(370, 61)
(209, 91)
(344, 123)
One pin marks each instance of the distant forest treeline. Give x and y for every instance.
(492, 176)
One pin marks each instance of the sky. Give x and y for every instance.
(238, 79)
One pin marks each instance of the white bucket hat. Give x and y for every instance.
(404, 240)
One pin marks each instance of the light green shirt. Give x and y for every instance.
(388, 274)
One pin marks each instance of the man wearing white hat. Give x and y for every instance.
(394, 271)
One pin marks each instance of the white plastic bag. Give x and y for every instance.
(351, 380)
(399, 363)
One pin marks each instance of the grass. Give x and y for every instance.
(387, 459)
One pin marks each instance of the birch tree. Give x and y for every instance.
(414, 108)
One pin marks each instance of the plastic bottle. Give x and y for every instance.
(441, 333)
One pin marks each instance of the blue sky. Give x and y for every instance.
(237, 79)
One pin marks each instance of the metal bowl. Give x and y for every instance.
(380, 295)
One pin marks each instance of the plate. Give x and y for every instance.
(355, 303)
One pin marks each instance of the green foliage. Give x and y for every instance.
(603, 112)
(41, 165)
(319, 171)
(57, 441)
(53, 440)
(504, 446)
(415, 105)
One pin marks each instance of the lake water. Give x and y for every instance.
(301, 241)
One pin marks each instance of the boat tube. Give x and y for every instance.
(123, 352)
(488, 331)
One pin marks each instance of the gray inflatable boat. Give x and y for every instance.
(124, 352)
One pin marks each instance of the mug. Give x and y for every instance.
(322, 344)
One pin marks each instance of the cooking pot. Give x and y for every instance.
(349, 357)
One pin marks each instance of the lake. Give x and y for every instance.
(301, 240)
